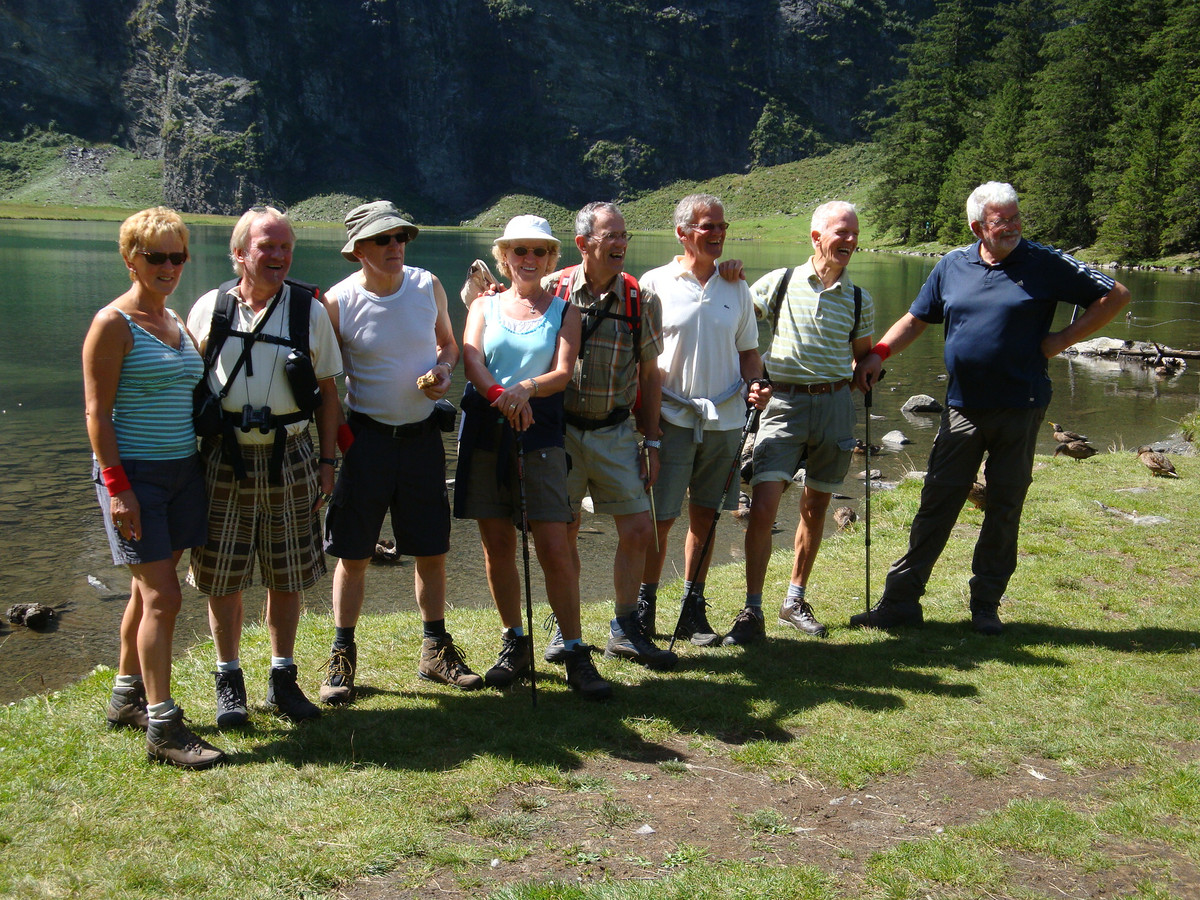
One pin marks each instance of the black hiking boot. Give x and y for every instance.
(284, 694)
(693, 623)
(516, 653)
(232, 711)
(985, 618)
(647, 608)
(626, 641)
(890, 614)
(582, 675)
(749, 627)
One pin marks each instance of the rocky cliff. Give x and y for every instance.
(446, 105)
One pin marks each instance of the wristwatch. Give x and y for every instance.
(652, 445)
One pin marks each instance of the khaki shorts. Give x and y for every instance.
(699, 470)
(605, 464)
(254, 519)
(818, 429)
(545, 487)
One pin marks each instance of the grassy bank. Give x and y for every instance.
(1062, 758)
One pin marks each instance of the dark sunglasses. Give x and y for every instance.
(539, 252)
(382, 240)
(157, 258)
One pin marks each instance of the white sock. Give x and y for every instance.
(231, 666)
(281, 662)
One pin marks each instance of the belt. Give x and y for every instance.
(825, 387)
(411, 429)
(613, 418)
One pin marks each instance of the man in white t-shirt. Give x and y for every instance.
(710, 355)
(399, 351)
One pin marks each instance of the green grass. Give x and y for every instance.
(1096, 673)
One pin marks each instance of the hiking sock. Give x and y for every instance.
(231, 665)
(435, 629)
(572, 643)
(343, 637)
(281, 662)
(126, 681)
(518, 630)
(754, 601)
(161, 710)
(648, 592)
(696, 586)
(795, 592)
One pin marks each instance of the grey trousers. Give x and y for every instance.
(1008, 437)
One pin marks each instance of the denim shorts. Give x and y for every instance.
(174, 509)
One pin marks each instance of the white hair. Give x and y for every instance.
(994, 193)
(826, 211)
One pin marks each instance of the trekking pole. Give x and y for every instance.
(650, 491)
(525, 555)
(690, 597)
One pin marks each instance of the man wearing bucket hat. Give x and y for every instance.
(398, 350)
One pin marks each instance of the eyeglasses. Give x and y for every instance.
(382, 240)
(539, 252)
(612, 236)
(709, 226)
(1002, 223)
(158, 258)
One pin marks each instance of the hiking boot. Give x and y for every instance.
(748, 627)
(626, 641)
(582, 675)
(442, 661)
(127, 707)
(985, 618)
(798, 614)
(284, 694)
(516, 653)
(693, 623)
(647, 608)
(169, 740)
(556, 651)
(890, 614)
(231, 699)
(338, 686)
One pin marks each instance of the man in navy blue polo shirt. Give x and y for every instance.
(996, 301)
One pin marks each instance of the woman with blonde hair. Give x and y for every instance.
(140, 366)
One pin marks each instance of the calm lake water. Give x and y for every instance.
(55, 275)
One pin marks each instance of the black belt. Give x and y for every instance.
(827, 387)
(613, 418)
(411, 429)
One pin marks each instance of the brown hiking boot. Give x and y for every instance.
(127, 707)
(338, 686)
(169, 740)
(748, 627)
(442, 661)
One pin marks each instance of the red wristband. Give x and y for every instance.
(494, 391)
(345, 437)
(882, 350)
(115, 480)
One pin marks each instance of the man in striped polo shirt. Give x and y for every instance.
(820, 331)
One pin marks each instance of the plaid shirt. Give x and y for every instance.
(606, 372)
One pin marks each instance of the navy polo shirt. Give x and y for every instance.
(995, 318)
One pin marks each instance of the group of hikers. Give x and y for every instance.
(582, 380)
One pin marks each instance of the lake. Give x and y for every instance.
(55, 275)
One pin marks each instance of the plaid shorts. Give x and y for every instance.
(250, 519)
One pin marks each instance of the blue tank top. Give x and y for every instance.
(152, 412)
(516, 349)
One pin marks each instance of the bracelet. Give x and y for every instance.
(882, 350)
(326, 461)
(115, 480)
(494, 391)
(652, 445)
(533, 381)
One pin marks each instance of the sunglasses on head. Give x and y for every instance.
(539, 252)
(383, 240)
(157, 257)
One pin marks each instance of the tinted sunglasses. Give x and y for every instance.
(157, 258)
(382, 240)
(539, 252)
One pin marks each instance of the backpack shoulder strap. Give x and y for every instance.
(857, 310)
(633, 308)
(777, 297)
(300, 302)
(221, 324)
(563, 289)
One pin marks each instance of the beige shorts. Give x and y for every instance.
(605, 464)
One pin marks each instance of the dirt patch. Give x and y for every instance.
(639, 819)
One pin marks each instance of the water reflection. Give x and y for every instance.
(55, 275)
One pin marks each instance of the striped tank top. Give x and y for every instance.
(152, 413)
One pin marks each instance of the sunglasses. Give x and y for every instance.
(382, 240)
(539, 252)
(157, 258)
